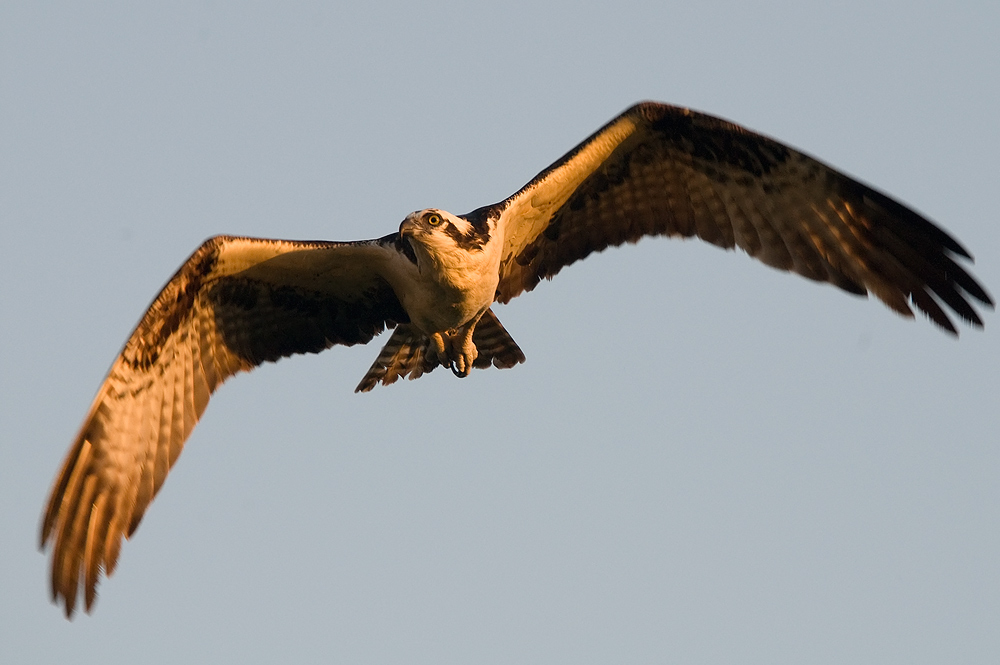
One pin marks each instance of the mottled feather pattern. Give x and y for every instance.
(108, 480)
(206, 325)
(682, 173)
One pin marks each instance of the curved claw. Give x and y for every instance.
(461, 365)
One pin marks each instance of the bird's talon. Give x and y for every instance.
(462, 366)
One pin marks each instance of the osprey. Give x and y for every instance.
(653, 170)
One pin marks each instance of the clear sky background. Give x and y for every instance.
(702, 461)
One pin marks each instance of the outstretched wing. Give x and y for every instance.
(235, 303)
(662, 170)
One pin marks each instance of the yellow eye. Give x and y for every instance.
(433, 219)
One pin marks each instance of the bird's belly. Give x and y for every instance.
(440, 307)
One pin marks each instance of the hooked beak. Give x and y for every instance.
(408, 227)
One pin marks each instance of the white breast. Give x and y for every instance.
(449, 286)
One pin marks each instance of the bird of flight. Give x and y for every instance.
(654, 170)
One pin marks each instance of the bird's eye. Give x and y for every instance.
(434, 219)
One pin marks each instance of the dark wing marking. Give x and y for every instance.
(663, 170)
(234, 304)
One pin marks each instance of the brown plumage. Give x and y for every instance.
(654, 170)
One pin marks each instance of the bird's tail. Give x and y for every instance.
(496, 347)
(409, 353)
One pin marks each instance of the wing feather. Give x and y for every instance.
(663, 170)
(235, 303)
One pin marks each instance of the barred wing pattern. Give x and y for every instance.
(663, 170)
(408, 353)
(235, 303)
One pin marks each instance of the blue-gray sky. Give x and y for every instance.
(703, 460)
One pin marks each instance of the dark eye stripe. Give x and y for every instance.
(473, 241)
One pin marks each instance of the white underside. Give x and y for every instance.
(449, 286)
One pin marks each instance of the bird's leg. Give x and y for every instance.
(455, 348)
(463, 350)
(442, 348)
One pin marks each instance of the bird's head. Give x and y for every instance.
(439, 235)
(432, 223)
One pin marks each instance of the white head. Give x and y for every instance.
(442, 238)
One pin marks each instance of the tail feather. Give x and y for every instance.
(496, 347)
(408, 353)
